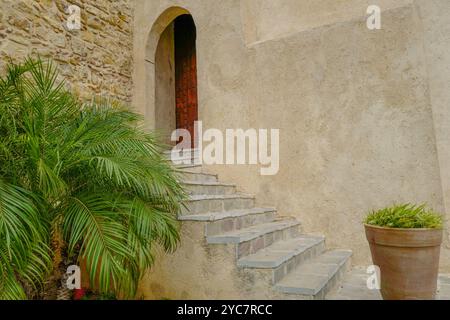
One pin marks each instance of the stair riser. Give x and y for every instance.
(237, 223)
(210, 190)
(334, 281)
(217, 205)
(184, 160)
(195, 169)
(198, 177)
(254, 245)
(187, 155)
(289, 265)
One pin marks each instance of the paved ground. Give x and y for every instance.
(354, 287)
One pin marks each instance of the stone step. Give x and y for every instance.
(184, 159)
(217, 203)
(193, 153)
(227, 221)
(192, 168)
(315, 278)
(188, 175)
(213, 188)
(283, 256)
(252, 239)
(443, 291)
(354, 287)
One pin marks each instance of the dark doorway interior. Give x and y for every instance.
(185, 74)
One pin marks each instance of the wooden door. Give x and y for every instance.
(186, 74)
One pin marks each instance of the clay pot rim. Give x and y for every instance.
(402, 229)
(404, 237)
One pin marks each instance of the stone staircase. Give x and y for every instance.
(267, 247)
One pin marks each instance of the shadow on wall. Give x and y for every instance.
(264, 20)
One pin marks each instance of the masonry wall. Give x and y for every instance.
(360, 112)
(96, 60)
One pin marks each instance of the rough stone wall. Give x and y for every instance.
(95, 60)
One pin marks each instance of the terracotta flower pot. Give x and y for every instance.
(408, 261)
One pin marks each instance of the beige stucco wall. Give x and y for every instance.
(266, 19)
(359, 110)
(200, 271)
(357, 128)
(96, 60)
(165, 85)
(436, 26)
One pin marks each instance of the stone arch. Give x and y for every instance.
(159, 27)
(161, 23)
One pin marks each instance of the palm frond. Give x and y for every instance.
(89, 168)
(91, 223)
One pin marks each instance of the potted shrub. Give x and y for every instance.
(405, 244)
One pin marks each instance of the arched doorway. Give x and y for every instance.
(176, 102)
(186, 74)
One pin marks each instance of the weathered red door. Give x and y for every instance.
(186, 74)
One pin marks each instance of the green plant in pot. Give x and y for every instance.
(405, 244)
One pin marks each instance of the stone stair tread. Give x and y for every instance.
(214, 216)
(310, 277)
(185, 150)
(253, 232)
(198, 173)
(188, 175)
(354, 287)
(199, 197)
(186, 166)
(206, 183)
(280, 252)
(189, 168)
(190, 156)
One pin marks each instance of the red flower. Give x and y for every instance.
(78, 294)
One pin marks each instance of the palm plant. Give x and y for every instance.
(77, 179)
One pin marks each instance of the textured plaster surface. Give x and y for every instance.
(95, 60)
(266, 19)
(436, 28)
(214, 270)
(165, 84)
(363, 114)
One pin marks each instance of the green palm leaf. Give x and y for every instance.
(89, 167)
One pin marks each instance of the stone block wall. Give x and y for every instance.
(95, 60)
